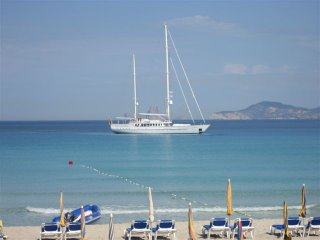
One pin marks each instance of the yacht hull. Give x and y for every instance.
(172, 129)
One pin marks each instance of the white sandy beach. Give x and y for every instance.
(100, 231)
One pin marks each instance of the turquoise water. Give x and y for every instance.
(267, 162)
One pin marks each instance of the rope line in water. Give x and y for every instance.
(143, 186)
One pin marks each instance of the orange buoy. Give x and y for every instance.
(70, 162)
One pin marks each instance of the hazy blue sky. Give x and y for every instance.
(73, 59)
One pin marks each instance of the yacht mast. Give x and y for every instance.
(169, 102)
(135, 87)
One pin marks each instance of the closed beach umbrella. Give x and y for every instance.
(83, 224)
(151, 210)
(111, 228)
(287, 236)
(229, 200)
(240, 235)
(192, 234)
(303, 211)
(62, 221)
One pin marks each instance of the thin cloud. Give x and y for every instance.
(203, 22)
(242, 69)
(260, 69)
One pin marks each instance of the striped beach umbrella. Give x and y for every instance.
(62, 220)
(83, 224)
(111, 228)
(303, 211)
(287, 235)
(192, 234)
(151, 210)
(229, 199)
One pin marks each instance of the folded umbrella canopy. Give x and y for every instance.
(240, 234)
(229, 199)
(303, 211)
(151, 210)
(62, 220)
(192, 234)
(83, 224)
(287, 235)
(111, 228)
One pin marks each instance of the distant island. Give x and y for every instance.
(269, 111)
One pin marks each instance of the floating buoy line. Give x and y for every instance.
(145, 187)
(140, 185)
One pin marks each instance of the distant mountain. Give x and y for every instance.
(268, 110)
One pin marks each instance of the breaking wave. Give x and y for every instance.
(108, 210)
(46, 211)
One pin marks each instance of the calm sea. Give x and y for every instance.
(267, 162)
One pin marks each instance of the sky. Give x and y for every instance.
(72, 60)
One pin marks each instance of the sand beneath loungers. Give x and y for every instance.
(100, 231)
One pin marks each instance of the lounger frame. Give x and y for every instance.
(139, 228)
(73, 231)
(217, 225)
(246, 227)
(164, 228)
(313, 225)
(50, 231)
(294, 227)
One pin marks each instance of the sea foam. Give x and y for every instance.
(108, 210)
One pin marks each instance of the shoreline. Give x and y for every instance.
(100, 231)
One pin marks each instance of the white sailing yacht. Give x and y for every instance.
(144, 123)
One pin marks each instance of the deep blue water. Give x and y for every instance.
(267, 162)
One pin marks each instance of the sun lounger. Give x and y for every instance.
(294, 226)
(164, 228)
(73, 231)
(2, 236)
(50, 231)
(139, 228)
(313, 225)
(246, 227)
(217, 225)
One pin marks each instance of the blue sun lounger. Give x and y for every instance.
(217, 225)
(2, 236)
(139, 228)
(313, 225)
(50, 231)
(246, 227)
(164, 228)
(294, 226)
(73, 231)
